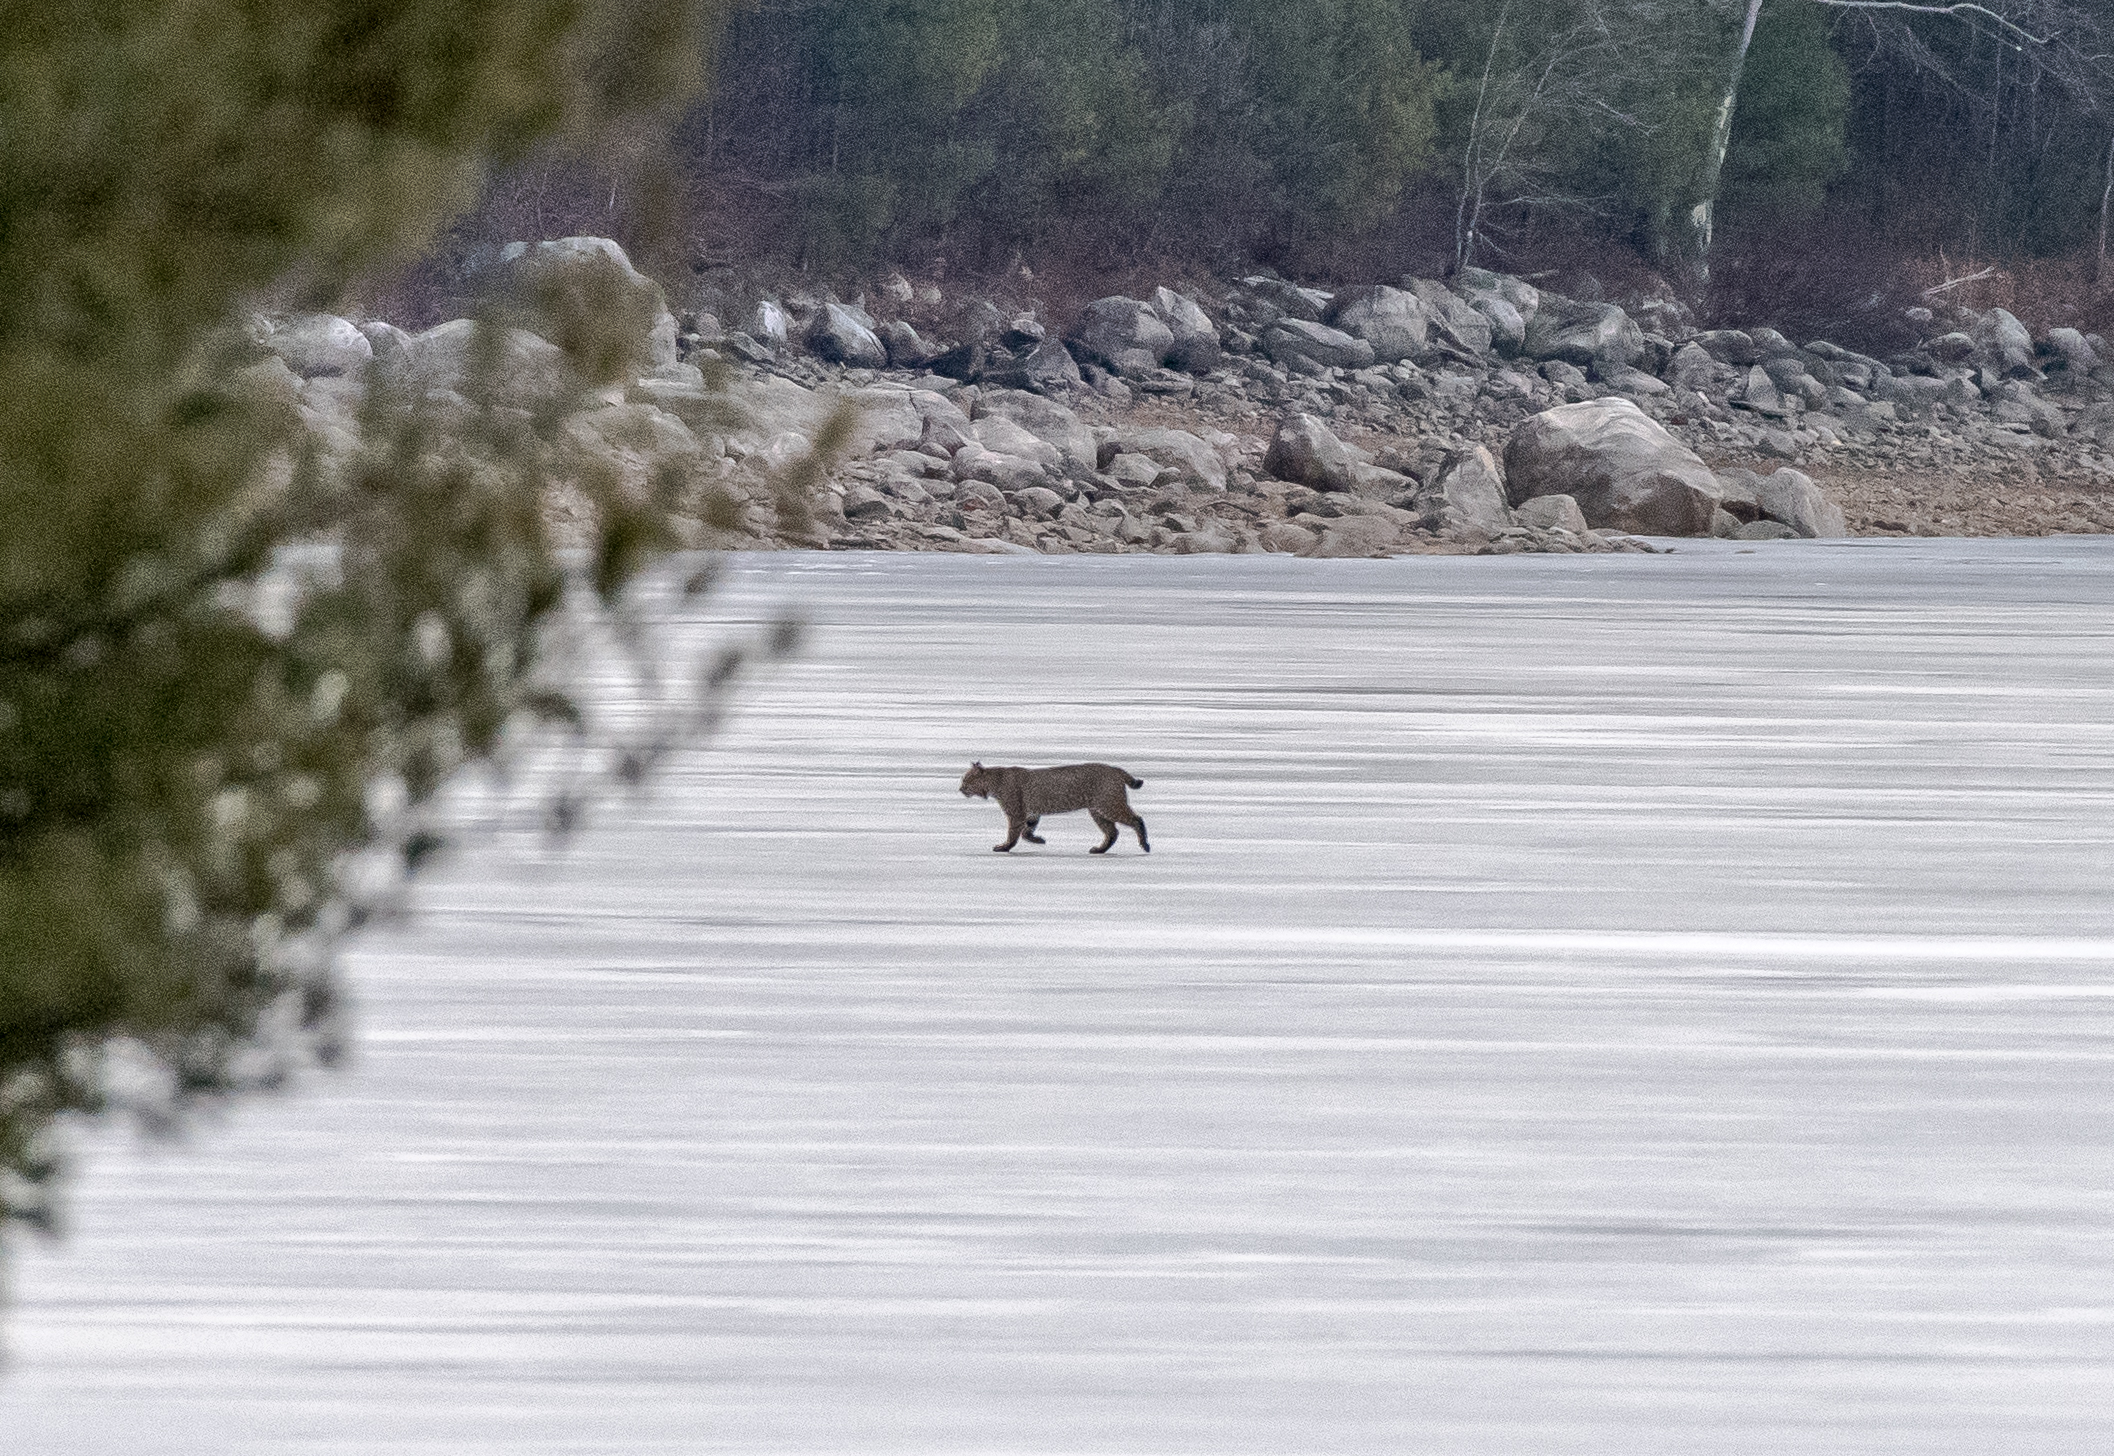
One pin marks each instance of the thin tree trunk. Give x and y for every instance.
(1702, 218)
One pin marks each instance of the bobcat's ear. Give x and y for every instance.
(976, 765)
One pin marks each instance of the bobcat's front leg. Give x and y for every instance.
(1013, 830)
(1030, 835)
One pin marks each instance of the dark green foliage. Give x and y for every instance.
(999, 121)
(1788, 137)
(193, 753)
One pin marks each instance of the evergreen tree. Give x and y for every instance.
(192, 756)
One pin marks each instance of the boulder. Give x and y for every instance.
(906, 350)
(1125, 334)
(1791, 497)
(1455, 325)
(1524, 297)
(2075, 350)
(1039, 500)
(1312, 347)
(1467, 495)
(514, 366)
(1634, 382)
(318, 345)
(2005, 343)
(1002, 436)
(1508, 328)
(1195, 337)
(1050, 368)
(1759, 393)
(1357, 536)
(1769, 344)
(1552, 513)
(840, 336)
(1007, 472)
(1584, 334)
(1911, 394)
(1392, 321)
(1729, 346)
(1212, 538)
(768, 326)
(1046, 420)
(888, 418)
(1765, 531)
(1305, 451)
(1281, 300)
(1137, 471)
(770, 404)
(582, 294)
(1187, 455)
(1287, 539)
(1624, 470)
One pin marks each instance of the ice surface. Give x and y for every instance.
(1575, 1004)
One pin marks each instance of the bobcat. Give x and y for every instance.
(1026, 794)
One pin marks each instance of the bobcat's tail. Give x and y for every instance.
(1134, 783)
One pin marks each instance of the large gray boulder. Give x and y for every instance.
(768, 325)
(1279, 299)
(1791, 497)
(571, 288)
(1466, 496)
(1524, 297)
(1508, 328)
(1311, 347)
(906, 350)
(1050, 367)
(1306, 451)
(1624, 470)
(1189, 456)
(1729, 346)
(2005, 343)
(1125, 335)
(514, 366)
(1455, 325)
(1047, 421)
(1196, 347)
(2075, 350)
(1394, 322)
(841, 337)
(1584, 334)
(317, 345)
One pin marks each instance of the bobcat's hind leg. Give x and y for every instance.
(1107, 826)
(1137, 825)
(1028, 831)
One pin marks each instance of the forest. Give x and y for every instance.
(1778, 144)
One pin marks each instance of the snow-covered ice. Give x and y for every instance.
(1638, 1005)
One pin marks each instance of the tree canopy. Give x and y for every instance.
(989, 125)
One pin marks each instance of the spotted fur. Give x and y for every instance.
(1026, 794)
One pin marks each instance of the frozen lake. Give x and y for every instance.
(1653, 1006)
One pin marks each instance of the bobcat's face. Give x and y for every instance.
(976, 783)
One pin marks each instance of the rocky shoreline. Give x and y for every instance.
(1481, 415)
